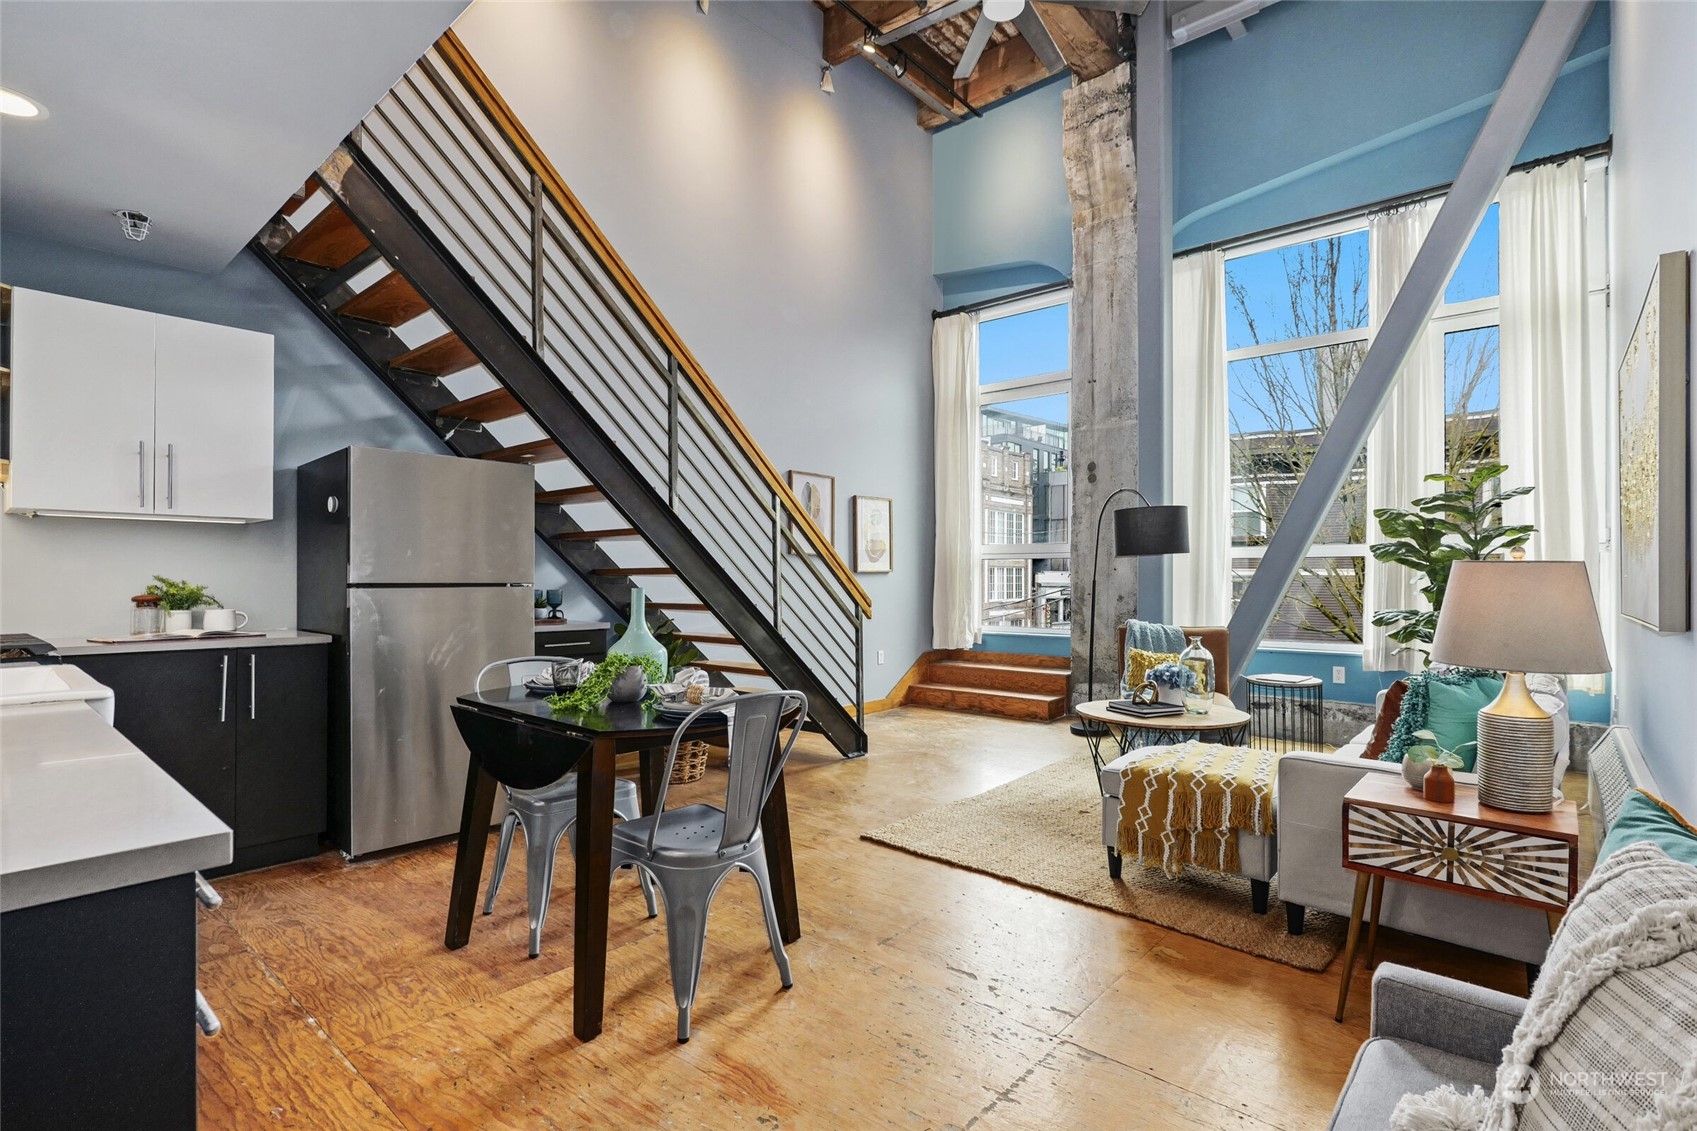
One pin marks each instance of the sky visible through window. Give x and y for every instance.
(1032, 344)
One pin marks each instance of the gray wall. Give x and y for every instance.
(1650, 186)
(785, 232)
(74, 576)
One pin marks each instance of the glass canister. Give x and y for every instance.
(146, 617)
(1200, 698)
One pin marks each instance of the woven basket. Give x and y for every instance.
(691, 764)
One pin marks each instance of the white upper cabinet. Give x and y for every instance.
(122, 413)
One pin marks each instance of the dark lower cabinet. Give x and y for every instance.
(585, 641)
(245, 730)
(98, 1029)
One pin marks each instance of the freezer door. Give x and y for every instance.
(411, 652)
(417, 519)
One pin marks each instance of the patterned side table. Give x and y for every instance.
(1391, 832)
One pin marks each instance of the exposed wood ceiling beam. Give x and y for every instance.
(928, 18)
(1031, 29)
(1088, 38)
(843, 32)
(1006, 68)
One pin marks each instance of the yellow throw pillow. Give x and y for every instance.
(1137, 665)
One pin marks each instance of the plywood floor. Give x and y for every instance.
(925, 996)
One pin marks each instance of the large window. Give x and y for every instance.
(1298, 325)
(1024, 481)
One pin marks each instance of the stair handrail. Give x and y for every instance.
(482, 90)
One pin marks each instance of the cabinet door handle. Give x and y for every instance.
(224, 692)
(252, 686)
(170, 477)
(570, 646)
(141, 474)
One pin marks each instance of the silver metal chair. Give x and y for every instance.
(547, 814)
(690, 851)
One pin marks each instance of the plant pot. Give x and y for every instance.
(1173, 695)
(1439, 786)
(629, 686)
(1414, 773)
(179, 620)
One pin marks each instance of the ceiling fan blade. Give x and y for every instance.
(1031, 29)
(975, 45)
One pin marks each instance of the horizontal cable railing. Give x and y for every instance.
(447, 143)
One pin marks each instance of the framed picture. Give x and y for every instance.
(818, 497)
(1655, 579)
(871, 534)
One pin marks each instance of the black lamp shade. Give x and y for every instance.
(1142, 531)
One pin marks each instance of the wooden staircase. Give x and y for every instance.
(644, 474)
(994, 683)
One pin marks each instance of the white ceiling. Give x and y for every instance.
(204, 114)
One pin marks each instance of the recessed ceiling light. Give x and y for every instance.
(15, 105)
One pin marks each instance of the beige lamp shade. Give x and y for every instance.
(1520, 617)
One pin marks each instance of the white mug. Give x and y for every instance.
(223, 620)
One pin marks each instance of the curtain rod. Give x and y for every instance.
(1003, 300)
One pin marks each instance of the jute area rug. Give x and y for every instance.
(1044, 831)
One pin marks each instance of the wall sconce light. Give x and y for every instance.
(826, 83)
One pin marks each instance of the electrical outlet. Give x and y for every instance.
(880, 655)
(1338, 675)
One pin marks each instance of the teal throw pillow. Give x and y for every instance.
(1457, 694)
(1643, 817)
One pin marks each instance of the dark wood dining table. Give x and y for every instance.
(527, 745)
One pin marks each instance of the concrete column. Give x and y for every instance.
(1096, 146)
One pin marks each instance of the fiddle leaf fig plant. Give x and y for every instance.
(175, 596)
(1460, 523)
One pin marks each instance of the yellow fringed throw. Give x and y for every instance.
(1185, 804)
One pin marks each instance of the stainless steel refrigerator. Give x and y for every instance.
(421, 566)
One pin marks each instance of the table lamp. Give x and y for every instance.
(1138, 532)
(1516, 617)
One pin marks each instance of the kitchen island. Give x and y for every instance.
(98, 850)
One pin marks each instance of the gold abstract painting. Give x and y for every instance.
(1655, 583)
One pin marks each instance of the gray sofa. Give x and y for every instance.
(1429, 1030)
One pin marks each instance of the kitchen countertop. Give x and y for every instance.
(68, 644)
(83, 811)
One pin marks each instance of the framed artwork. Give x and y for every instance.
(1655, 558)
(871, 534)
(818, 497)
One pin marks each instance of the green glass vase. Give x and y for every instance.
(637, 640)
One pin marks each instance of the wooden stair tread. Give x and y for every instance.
(299, 198)
(712, 638)
(496, 404)
(739, 667)
(633, 571)
(991, 692)
(626, 535)
(976, 665)
(678, 607)
(1019, 659)
(537, 451)
(390, 301)
(330, 239)
(439, 357)
(566, 496)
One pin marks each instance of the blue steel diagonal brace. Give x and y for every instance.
(1529, 80)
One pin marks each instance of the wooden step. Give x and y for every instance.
(626, 535)
(678, 607)
(712, 638)
(633, 571)
(496, 404)
(737, 667)
(1006, 704)
(570, 496)
(537, 451)
(299, 198)
(998, 677)
(329, 239)
(439, 357)
(390, 301)
(1018, 659)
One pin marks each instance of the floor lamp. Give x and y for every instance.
(1141, 531)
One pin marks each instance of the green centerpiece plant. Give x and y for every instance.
(588, 694)
(1460, 523)
(180, 596)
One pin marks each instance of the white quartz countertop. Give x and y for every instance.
(70, 644)
(84, 811)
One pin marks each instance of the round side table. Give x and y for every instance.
(1223, 723)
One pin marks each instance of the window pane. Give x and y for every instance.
(1024, 482)
(1476, 275)
(1322, 605)
(1027, 593)
(1472, 395)
(1023, 345)
(1294, 292)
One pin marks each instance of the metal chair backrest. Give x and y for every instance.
(756, 757)
(519, 669)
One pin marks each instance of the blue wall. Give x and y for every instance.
(1321, 107)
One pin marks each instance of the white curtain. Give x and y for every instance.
(954, 372)
(1555, 413)
(1201, 444)
(1407, 442)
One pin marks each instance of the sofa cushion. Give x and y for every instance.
(1386, 1069)
(1452, 691)
(1390, 706)
(1643, 816)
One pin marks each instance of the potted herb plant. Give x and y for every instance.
(180, 599)
(1420, 760)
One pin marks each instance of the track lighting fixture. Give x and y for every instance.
(898, 66)
(868, 44)
(826, 83)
